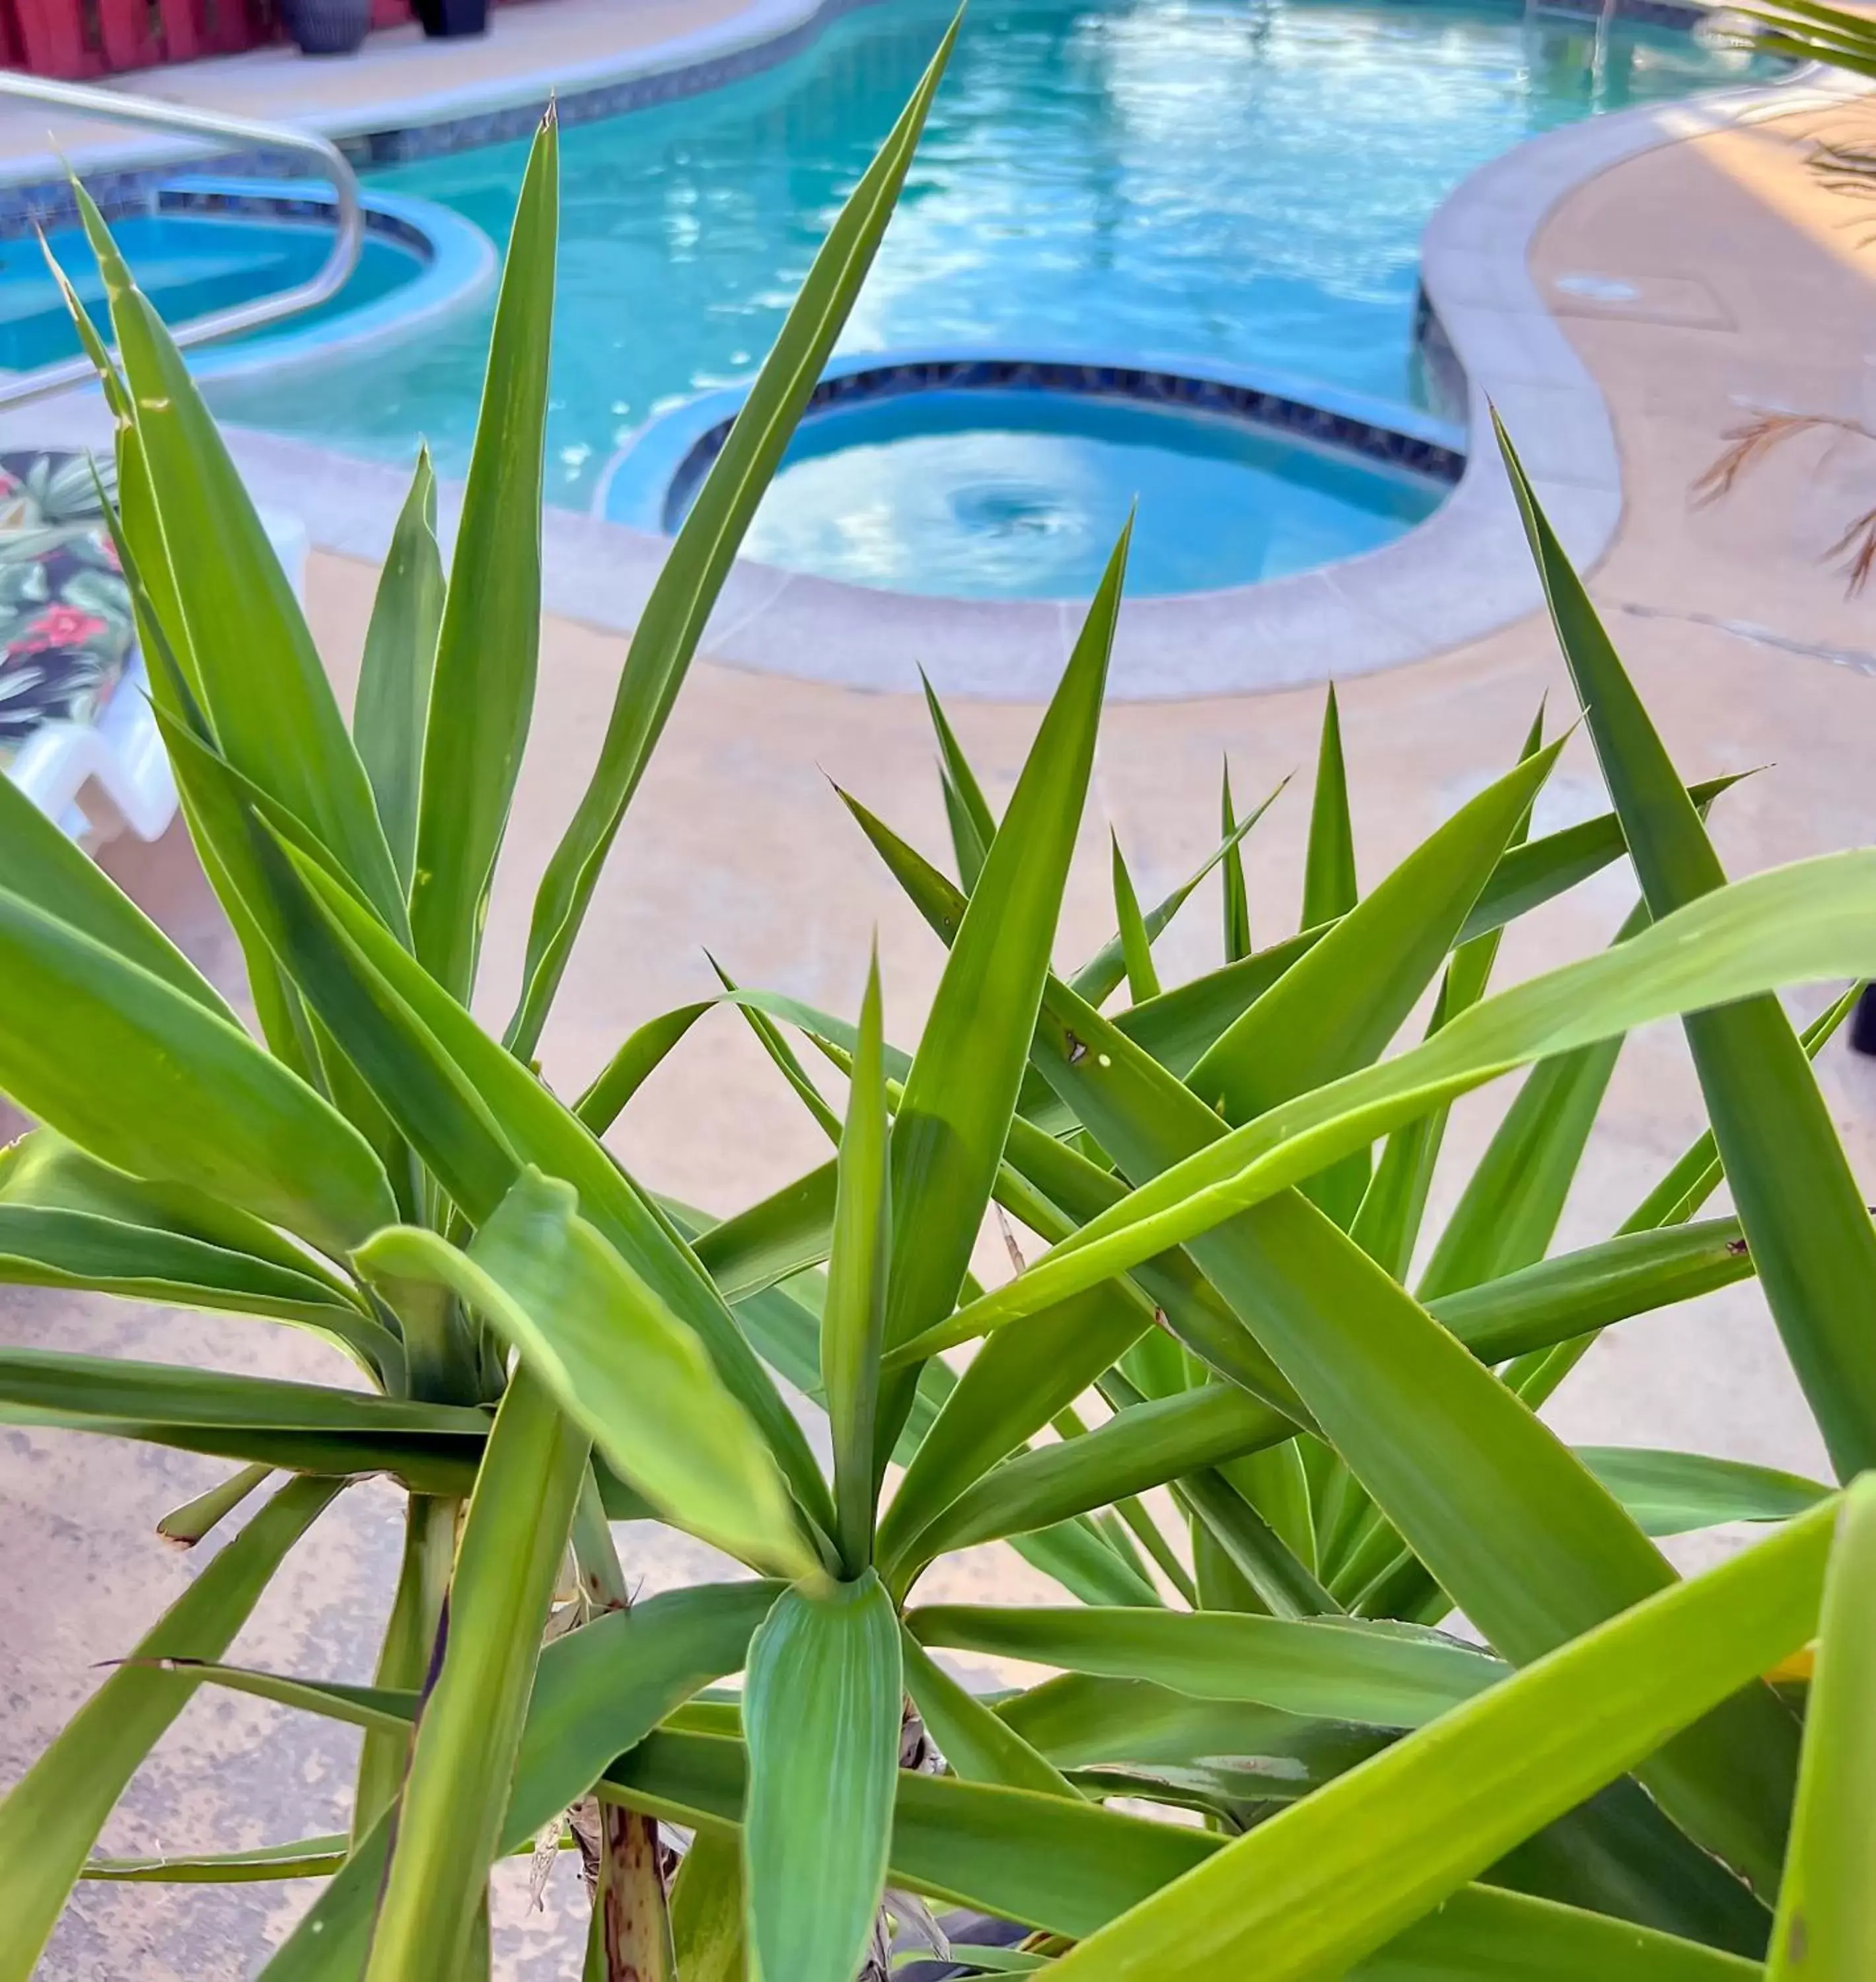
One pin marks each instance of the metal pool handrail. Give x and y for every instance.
(150, 114)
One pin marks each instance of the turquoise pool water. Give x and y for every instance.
(189, 265)
(1019, 495)
(1238, 180)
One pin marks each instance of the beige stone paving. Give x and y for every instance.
(736, 841)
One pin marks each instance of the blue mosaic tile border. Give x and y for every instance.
(1253, 404)
(159, 192)
(49, 204)
(589, 106)
(288, 206)
(153, 188)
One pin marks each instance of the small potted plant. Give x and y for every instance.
(328, 27)
(445, 20)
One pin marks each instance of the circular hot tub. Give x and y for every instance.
(995, 477)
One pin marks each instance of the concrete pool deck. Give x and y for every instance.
(1749, 294)
(399, 78)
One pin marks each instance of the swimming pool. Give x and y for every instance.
(1242, 181)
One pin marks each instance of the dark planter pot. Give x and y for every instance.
(443, 20)
(972, 1929)
(328, 27)
(1863, 1026)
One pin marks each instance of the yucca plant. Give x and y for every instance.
(1223, 1185)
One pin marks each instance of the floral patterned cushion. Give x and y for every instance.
(65, 623)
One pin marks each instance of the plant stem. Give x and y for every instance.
(403, 1658)
(1135, 1513)
(185, 1525)
(630, 1939)
(477, 1967)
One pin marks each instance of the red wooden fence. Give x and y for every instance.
(76, 39)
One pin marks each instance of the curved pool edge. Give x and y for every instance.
(649, 482)
(460, 265)
(1463, 574)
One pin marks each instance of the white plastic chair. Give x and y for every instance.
(98, 779)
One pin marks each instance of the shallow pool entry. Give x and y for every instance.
(190, 265)
(995, 494)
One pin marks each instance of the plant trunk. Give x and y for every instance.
(476, 1969)
(630, 1939)
(410, 1638)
